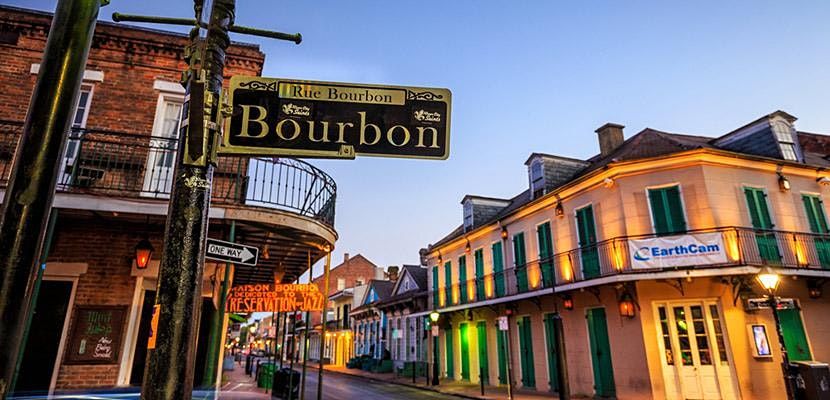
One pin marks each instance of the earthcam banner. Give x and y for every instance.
(677, 251)
(309, 119)
(275, 298)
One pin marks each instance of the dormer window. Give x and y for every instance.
(468, 215)
(786, 140)
(537, 178)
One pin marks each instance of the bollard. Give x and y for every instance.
(480, 380)
(414, 370)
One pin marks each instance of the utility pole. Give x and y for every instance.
(170, 365)
(31, 187)
(323, 331)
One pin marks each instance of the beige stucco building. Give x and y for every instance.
(649, 253)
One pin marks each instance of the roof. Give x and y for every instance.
(418, 274)
(383, 289)
(650, 143)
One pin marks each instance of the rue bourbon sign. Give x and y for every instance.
(309, 119)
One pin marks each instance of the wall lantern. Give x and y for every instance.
(608, 182)
(440, 259)
(143, 252)
(783, 183)
(560, 211)
(626, 306)
(433, 316)
(568, 302)
(814, 289)
(467, 248)
(504, 233)
(823, 181)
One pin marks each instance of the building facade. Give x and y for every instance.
(404, 309)
(648, 254)
(370, 323)
(113, 189)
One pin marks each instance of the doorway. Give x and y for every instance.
(600, 353)
(140, 353)
(40, 356)
(696, 361)
(161, 152)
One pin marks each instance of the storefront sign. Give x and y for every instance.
(677, 251)
(502, 322)
(95, 336)
(275, 298)
(760, 340)
(273, 116)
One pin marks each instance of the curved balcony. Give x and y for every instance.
(130, 165)
(276, 197)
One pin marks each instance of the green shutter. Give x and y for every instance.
(464, 335)
(667, 210)
(462, 279)
(587, 242)
(756, 201)
(814, 208)
(483, 362)
(795, 340)
(448, 342)
(479, 278)
(448, 283)
(526, 353)
(435, 292)
(550, 345)
(545, 253)
(600, 353)
(502, 352)
(498, 268)
(521, 261)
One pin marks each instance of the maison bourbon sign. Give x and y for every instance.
(275, 298)
(273, 116)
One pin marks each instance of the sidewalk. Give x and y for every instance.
(237, 385)
(455, 388)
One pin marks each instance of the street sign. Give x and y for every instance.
(435, 330)
(502, 323)
(763, 303)
(231, 252)
(310, 119)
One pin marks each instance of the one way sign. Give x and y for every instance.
(231, 252)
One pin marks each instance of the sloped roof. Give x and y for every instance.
(650, 143)
(418, 274)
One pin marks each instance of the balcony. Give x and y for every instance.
(736, 247)
(270, 198)
(129, 165)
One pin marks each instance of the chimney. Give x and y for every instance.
(610, 138)
(392, 272)
(345, 258)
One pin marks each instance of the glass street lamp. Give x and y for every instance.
(433, 317)
(769, 281)
(143, 252)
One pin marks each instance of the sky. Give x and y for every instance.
(529, 76)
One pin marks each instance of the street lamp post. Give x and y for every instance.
(769, 281)
(433, 318)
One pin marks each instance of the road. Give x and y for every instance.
(342, 387)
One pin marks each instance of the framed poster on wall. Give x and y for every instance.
(95, 335)
(760, 341)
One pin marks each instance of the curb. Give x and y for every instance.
(373, 379)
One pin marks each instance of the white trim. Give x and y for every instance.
(167, 86)
(65, 331)
(89, 75)
(126, 364)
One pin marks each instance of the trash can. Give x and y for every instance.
(281, 383)
(265, 375)
(811, 380)
(227, 363)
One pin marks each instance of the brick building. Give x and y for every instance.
(113, 188)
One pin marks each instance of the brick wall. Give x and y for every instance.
(351, 270)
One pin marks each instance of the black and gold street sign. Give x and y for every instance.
(273, 116)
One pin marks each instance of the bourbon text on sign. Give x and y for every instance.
(273, 116)
(275, 298)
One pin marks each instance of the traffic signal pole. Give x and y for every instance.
(31, 186)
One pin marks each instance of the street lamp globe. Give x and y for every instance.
(433, 316)
(769, 280)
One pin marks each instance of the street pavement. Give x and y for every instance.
(335, 387)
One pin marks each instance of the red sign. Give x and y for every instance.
(275, 298)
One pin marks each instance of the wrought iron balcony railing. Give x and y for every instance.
(129, 165)
(742, 246)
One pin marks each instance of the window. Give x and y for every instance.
(784, 133)
(537, 178)
(358, 282)
(667, 210)
(468, 215)
(82, 111)
(341, 283)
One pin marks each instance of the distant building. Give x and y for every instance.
(370, 323)
(405, 308)
(649, 252)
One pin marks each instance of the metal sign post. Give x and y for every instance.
(31, 186)
(323, 332)
(170, 365)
